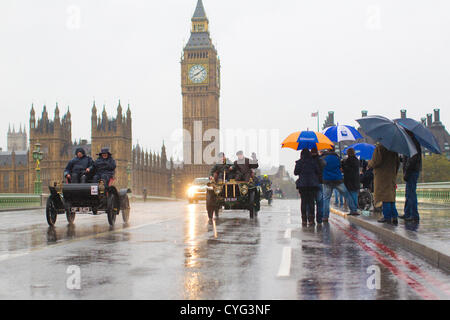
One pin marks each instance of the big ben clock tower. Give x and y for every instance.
(200, 83)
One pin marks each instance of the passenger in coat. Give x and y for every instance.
(350, 167)
(242, 167)
(385, 166)
(104, 166)
(78, 169)
(308, 171)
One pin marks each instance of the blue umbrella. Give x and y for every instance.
(363, 150)
(390, 134)
(342, 133)
(423, 135)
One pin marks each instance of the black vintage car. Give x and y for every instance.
(231, 195)
(70, 198)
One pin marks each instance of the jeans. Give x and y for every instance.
(354, 196)
(328, 190)
(411, 210)
(319, 203)
(338, 195)
(389, 210)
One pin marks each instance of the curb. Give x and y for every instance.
(434, 256)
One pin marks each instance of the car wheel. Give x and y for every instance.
(51, 212)
(112, 208)
(126, 209)
(251, 204)
(210, 204)
(70, 215)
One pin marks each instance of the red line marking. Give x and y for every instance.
(416, 286)
(410, 265)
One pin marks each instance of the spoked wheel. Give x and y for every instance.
(251, 208)
(126, 209)
(210, 204)
(51, 212)
(70, 215)
(216, 212)
(112, 208)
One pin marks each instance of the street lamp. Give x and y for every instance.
(37, 156)
(129, 175)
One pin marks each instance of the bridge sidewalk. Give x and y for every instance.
(429, 238)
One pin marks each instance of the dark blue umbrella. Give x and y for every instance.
(423, 135)
(363, 150)
(390, 134)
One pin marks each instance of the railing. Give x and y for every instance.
(435, 192)
(11, 200)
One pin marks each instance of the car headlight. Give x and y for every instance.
(217, 190)
(244, 189)
(191, 192)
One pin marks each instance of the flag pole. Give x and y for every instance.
(318, 121)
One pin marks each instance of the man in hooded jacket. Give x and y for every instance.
(78, 169)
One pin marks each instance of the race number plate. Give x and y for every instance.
(94, 190)
(230, 199)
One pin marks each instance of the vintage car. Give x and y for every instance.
(197, 190)
(231, 195)
(70, 198)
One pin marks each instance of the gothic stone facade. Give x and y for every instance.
(200, 83)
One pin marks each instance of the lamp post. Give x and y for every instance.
(129, 175)
(37, 156)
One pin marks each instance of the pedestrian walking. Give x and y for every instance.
(350, 166)
(411, 171)
(385, 166)
(333, 179)
(308, 171)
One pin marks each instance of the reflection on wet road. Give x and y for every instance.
(168, 250)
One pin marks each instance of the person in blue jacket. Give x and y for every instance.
(104, 166)
(333, 179)
(78, 169)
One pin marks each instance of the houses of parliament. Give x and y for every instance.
(138, 169)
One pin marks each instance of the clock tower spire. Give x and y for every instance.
(200, 86)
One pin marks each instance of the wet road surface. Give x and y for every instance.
(168, 250)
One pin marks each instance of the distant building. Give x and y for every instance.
(17, 141)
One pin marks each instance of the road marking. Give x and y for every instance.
(415, 285)
(287, 233)
(22, 253)
(405, 262)
(285, 266)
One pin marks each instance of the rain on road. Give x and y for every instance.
(168, 250)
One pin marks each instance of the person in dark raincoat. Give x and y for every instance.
(221, 168)
(79, 168)
(242, 167)
(350, 167)
(308, 171)
(104, 166)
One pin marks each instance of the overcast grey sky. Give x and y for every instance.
(281, 60)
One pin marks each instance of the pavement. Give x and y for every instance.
(169, 250)
(429, 237)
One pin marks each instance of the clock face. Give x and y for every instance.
(197, 73)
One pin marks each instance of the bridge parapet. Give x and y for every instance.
(19, 200)
(435, 192)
